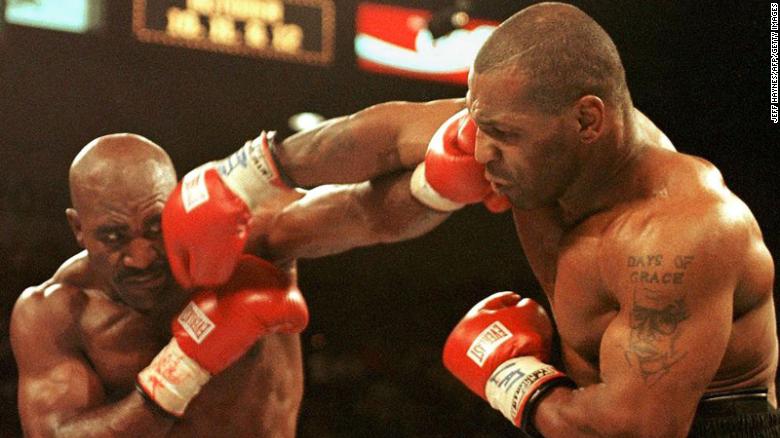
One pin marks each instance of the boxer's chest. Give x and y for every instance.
(257, 396)
(118, 345)
(582, 311)
(565, 263)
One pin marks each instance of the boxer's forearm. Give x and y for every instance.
(553, 419)
(130, 417)
(336, 153)
(376, 141)
(333, 219)
(595, 411)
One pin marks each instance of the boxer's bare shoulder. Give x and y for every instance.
(685, 263)
(53, 306)
(47, 343)
(690, 263)
(686, 214)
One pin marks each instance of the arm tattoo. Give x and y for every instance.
(655, 327)
(656, 317)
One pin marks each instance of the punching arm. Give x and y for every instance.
(335, 218)
(378, 140)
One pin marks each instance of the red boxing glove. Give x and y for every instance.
(498, 351)
(205, 218)
(218, 327)
(450, 177)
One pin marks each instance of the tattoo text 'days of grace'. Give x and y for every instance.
(658, 309)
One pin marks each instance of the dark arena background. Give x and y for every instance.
(379, 315)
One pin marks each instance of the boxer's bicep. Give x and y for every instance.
(55, 381)
(49, 398)
(662, 349)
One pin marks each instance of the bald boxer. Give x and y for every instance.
(111, 346)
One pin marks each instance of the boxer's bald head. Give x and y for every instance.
(117, 165)
(118, 186)
(563, 54)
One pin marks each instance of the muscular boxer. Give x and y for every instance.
(111, 346)
(658, 277)
(659, 281)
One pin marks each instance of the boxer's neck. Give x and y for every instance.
(605, 169)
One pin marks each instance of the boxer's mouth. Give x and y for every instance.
(496, 186)
(495, 183)
(147, 279)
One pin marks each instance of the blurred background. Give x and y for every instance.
(199, 82)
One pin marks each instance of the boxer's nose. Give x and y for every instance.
(484, 149)
(140, 254)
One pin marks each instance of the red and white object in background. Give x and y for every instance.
(396, 40)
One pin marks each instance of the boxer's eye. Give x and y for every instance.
(153, 228)
(498, 133)
(111, 236)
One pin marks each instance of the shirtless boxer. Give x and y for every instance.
(658, 278)
(92, 343)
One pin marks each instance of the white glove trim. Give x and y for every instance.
(250, 172)
(427, 195)
(173, 379)
(514, 382)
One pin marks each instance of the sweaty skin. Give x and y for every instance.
(381, 143)
(81, 337)
(658, 276)
(659, 280)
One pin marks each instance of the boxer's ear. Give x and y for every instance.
(75, 225)
(589, 111)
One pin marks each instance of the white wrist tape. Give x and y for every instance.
(251, 173)
(514, 382)
(173, 379)
(423, 192)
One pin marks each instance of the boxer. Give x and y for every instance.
(111, 346)
(657, 275)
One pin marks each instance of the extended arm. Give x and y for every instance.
(335, 218)
(206, 216)
(372, 142)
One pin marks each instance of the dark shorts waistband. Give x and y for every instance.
(741, 401)
(736, 414)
